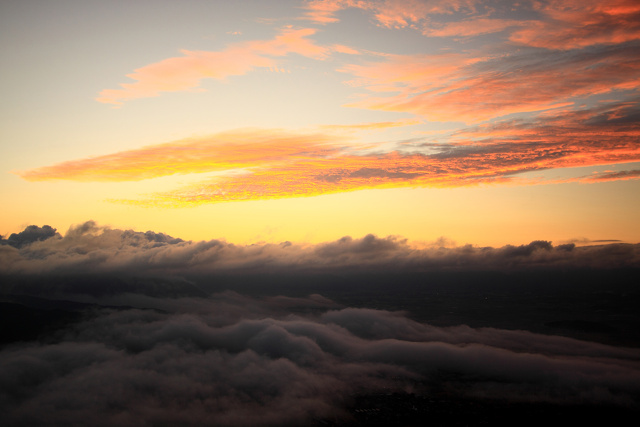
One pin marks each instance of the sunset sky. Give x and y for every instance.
(455, 122)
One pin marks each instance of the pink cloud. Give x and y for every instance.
(463, 87)
(387, 13)
(473, 27)
(323, 11)
(614, 176)
(485, 154)
(571, 24)
(562, 24)
(184, 73)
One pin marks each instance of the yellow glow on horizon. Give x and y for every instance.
(557, 212)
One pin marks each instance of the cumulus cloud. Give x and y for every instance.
(31, 234)
(89, 248)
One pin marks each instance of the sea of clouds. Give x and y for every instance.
(140, 358)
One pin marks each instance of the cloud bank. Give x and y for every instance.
(89, 248)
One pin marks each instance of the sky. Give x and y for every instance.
(455, 122)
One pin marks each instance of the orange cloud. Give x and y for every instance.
(223, 151)
(473, 27)
(323, 11)
(325, 176)
(184, 73)
(613, 176)
(484, 154)
(571, 24)
(278, 164)
(345, 49)
(371, 125)
(494, 165)
(388, 13)
(561, 24)
(458, 87)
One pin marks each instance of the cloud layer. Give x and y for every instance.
(89, 248)
(277, 164)
(234, 360)
(153, 348)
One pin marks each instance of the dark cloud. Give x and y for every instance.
(382, 173)
(88, 248)
(611, 176)
(31, 234)
(369, 244)
(234, 360)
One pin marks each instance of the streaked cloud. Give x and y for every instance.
(468, 88)
(614, 176)
(485, 154)
(222, 151)
(371, 125)
(184, 73)
(576, 24)
(473, 27)
(387, 13)
(555, 24)
(281, 164)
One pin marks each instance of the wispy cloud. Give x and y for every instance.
(614, 176)
(556, 24)
(561, 52)
(468, 88)
(473, 27)
(370, 125)
(576, 24)
(387, 13)
(222, 151)
(184, 73)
